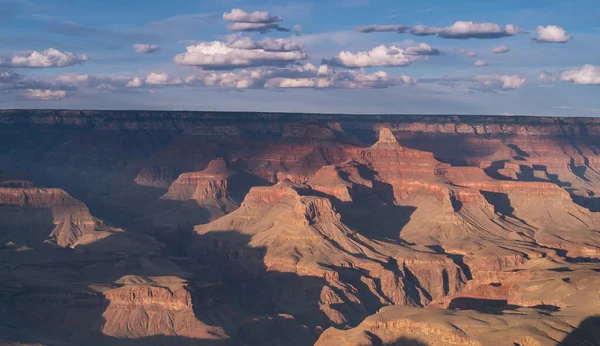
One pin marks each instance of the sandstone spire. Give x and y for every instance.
(386, 136)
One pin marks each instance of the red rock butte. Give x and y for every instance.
(225, 228)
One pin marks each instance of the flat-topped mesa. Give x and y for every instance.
(71, 218)
(209, 184)
(282, 192)
(37, 197)
(286, 194)
(70, 221)
(327, 180)
(145, 307)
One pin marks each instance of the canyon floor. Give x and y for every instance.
(207, 228)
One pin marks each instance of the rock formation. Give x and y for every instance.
(208, 188)
(154, 228)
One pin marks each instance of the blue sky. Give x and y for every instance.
(303, 56)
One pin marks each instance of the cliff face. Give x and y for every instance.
(145, 307)
(297, 223)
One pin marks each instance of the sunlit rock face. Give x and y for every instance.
(155, 228)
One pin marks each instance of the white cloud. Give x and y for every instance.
(377, 57)
(45, 95)
(298, 83)
(84, 80)
(466, 30)
(501, 49)
(360, 79)
(240, 79)
(552, 33)
(259, 21)
(471, 54)
(506, 82)
(164, 79)
(136, 82)
(49, 58)
(421, 49)
(258, 27)
(158, 78)
(146, 48)
(268, 44)
(239, 15)
(587, 74)
(420, 30)
(73, 79)
(408, 80)
(219, 55)
(480, 63)
(458, 30)
(325, 70)
(488, 83)
(297, 28)
(300, 76)
(382, 28)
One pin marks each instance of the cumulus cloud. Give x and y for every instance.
(298, 83)
(164, 79)
(486, 83)
(73, 79)
(552, 33)
(45, 95)
(408, 80)
(49, 58)
(466, 30)
(587, 74)
(136, 82)
(268, 44)
(505, 82)
(501, 49)
(379, 56)
(158, 78)
(458, 30)
(480, 63)
(84, 80)
(360, 79)
(146, 48)
(259, 21)
(301, 76)
(239, 15)
(243, 79)
(241, 53)
(258, 27)
(420, 30)
(421, 49)
(471, 54)
(325, 70)
(382, 28)
(353, 79)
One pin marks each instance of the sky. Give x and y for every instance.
(510, 57)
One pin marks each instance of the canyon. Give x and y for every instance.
(225, 228)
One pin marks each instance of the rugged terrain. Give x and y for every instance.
(189, 228)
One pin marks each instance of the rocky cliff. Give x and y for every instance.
(198, 228)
